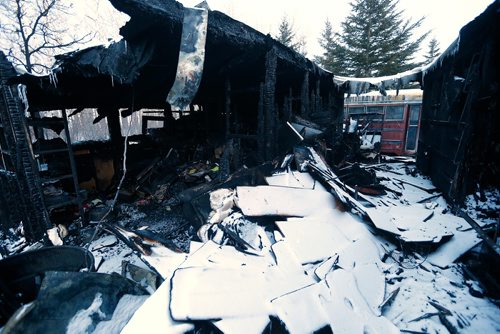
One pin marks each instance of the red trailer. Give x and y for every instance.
(392, 122)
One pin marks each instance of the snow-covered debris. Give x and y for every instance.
(485, 207)
(281, 201)
(313, 265)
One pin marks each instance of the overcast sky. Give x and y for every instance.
(443, 17)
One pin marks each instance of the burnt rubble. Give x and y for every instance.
(250, 87)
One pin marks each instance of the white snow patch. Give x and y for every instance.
(83, 319)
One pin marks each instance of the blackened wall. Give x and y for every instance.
(459, 142)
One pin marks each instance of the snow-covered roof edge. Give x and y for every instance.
(397, 81)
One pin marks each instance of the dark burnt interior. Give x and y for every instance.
(251, 86)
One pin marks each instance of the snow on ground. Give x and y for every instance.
(421, 285)
(320, 268)
(323, 260)
(484, 208)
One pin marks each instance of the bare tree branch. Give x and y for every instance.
(35, 30)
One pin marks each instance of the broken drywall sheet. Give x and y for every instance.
(415, 223)
(325, 267)
(294, 179)
(280, 282)
(285, 258)
(230, 257)
(250, 325)
(282, 201)
(370, 282)
(360, 252)
(343, 300)
(238, 294)
(382, 221)
(301, 310)
(420, 215)
(154, 316)
(312, 240)
(460, 243)
(253, 280)
(334, 302)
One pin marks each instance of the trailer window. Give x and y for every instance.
(375, 109)
(356, 110)
(412, 134)
(414, 114)
(394, 113)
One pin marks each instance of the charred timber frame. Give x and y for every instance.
(269, 103)
(304, 96)
(36, 216)
(458, 137)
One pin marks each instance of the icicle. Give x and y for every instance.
(53, 78)
(23, 96)
(112, 81)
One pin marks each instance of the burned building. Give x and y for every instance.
(308, 240)
(243, 88)
(459, 145)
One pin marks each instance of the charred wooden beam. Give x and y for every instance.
(72, 163)
(304, 96)
(269, 102)
(260, 123)
(494, 247)
(287, 106)
(115, 134)
(37, 221)
(317, 99)
(227, 107)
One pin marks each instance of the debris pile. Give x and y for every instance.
(291, 248)
(291, 254)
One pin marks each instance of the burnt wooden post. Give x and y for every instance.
(115, 135)
(276, 123)
(304, 96)
(287, 106)
(286, 109)
(260, 123)
(318, 101)
(227, 106)
(269, 102)
(72, 164)
(28, 181)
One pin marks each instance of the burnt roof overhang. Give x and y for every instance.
(140, 70)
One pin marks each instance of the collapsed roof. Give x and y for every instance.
(143, 64)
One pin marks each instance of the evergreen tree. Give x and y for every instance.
(286, 35)
(301, 46)
(333, 55)
(378, 40)
(433, 51)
